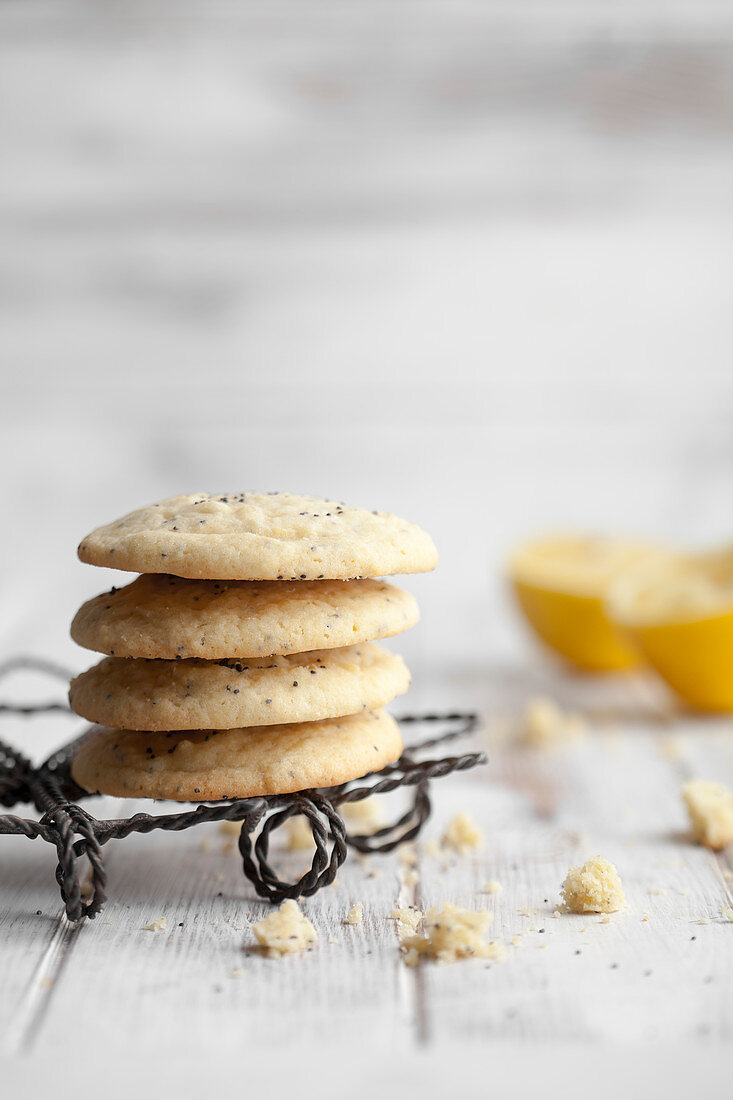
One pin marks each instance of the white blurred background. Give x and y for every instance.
(468, 262)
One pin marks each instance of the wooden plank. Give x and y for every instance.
(632, 979)
(30, 910)
(157, 986)
(615, 792)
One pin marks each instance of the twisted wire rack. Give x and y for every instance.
(78, 836)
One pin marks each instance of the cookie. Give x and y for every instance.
(259, 536)
(206, 765)
(192, 694)
(162, 616)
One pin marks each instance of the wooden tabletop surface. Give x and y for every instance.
(658, 974)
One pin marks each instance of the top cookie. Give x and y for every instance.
(260, 536)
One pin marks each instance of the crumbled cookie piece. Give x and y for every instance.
(671, 747)
(365, 817)
(463, 834)
(452, 933)
(492, 887)
(238, 972)
(710, 806)
(298, 834)
(407, 854)
(408, 920)
(547, 726)
(158, 925)
(727, 913)
(285, 932)
(593, 888)
(355, 915)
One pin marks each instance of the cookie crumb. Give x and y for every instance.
(727, 913)
(238, 972)
(452, 933)
(593, 888)
(408, 919)
(547, 726)
(492, 887)
(355, 915)
(671, 747)
(298, 834)
(407, 855)
(710, 806)
(158, 925)
(364, 817)
(463, 834)
(287, 931)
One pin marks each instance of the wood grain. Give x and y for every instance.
(660, 971)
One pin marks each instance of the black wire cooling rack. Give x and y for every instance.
(78, 836)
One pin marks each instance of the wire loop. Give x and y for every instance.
(75, 833)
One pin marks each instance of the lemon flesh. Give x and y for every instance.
(678, 609)
(561, 586)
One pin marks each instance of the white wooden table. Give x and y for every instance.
(656, 978)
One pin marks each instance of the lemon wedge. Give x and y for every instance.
(561, 584)
(678, 609)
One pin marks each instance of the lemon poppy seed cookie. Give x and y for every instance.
(194, 694)
(259, 536)
(236, 763)
(168, 617)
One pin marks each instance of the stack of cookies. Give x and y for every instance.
(242, 662)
